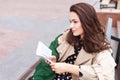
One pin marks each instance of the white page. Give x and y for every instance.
(43, 51)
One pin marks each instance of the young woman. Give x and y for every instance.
(82, 52)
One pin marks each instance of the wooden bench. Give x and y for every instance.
(104, 14)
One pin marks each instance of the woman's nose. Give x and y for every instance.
(71, 25)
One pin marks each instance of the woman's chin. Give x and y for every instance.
(75, 35)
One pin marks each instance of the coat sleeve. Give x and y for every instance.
(43, 71)
(102, 68)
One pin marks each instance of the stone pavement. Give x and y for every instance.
(22, 24)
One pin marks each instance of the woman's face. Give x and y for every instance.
(75, 24)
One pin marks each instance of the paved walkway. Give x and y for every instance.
(22, 24)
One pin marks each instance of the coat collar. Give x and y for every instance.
(64, 50)
(83, 56)
(67, 50)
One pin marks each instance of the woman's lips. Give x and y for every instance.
(73, 30)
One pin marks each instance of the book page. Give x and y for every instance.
(43, 51)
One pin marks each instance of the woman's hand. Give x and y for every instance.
(52, 58)
(59, 67)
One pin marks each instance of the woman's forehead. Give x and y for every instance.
(73, 15)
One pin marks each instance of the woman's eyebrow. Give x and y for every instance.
(73, 19)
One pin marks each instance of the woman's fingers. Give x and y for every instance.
(52, 66)
(53, 58)
(53, 69)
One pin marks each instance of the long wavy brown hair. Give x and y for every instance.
(94, 39)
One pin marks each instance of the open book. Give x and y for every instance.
(43, 51)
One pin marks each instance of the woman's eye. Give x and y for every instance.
(75, 21)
